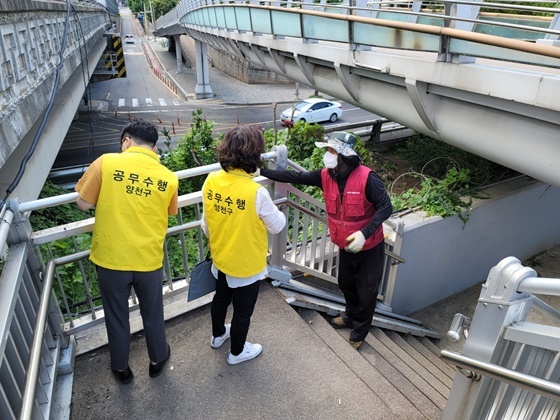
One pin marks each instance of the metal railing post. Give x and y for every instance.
(278, 242)
(499, 306)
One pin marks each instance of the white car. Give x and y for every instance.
(129, 39)
(313, 110)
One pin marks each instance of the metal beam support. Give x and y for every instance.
(305, 67)
(423, 103)
(350, 81)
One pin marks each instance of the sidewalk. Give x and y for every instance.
(227, 89)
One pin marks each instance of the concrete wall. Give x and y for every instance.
(32, 35)
(244, 70)
(445, 256)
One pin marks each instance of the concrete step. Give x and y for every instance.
(383, 388)
(418, 379)
(422, 346)
(417, 356)
(405, 358)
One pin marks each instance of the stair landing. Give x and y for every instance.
(307, 371)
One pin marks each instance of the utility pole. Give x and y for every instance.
(146, 26)
(152, 15)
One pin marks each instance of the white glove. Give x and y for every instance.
(356, 242)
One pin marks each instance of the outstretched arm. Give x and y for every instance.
(294, 177)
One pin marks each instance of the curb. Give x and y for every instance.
(164, 70)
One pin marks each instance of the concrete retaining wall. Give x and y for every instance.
(445, 256)
(244, 70)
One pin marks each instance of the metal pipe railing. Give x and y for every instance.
(539, 286)
(511, 377)
(43, 203)
(513, 44)
(32, 376)
(5, 225)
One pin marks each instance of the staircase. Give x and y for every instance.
(307, 371)
(404, 371)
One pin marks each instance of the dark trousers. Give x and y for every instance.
(115, 287)
(359, 276)
(244, 300)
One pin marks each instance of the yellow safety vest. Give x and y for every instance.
(131, 213)
(238, 237)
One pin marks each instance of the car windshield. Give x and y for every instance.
(302, 106)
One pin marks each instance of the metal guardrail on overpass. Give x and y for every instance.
(424, 66)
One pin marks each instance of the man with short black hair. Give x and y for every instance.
(133, 195)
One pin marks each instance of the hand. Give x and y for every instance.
(356, 242)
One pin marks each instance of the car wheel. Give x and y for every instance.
(333, 118)
(302, 119)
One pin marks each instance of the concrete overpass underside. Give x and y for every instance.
(488, 95)
(34, 80)
(507, 115)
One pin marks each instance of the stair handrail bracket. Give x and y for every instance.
(508, 364)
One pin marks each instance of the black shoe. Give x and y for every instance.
(124, 376)
(156, 369)
(340, 322)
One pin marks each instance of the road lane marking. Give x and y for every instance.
(148, 101)
(121, 102)
(134, 102)
(162, 102)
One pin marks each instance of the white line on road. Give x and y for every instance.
(148, 101)
(134, 102)
(121, 102)
(162, 102)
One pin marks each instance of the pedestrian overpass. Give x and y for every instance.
(458, 71)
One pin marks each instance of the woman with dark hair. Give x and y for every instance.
(238, 214)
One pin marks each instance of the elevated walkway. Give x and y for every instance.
(483, 93)
(307, 371)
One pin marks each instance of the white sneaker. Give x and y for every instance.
(217, 342)
(250, 351)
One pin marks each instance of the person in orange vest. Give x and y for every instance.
(238, 215)
(357, 204)
(133, 195)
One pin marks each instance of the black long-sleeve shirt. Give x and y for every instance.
(375, 190)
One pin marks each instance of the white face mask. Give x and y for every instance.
(330, 160)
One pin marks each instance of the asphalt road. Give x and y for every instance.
(143, 95)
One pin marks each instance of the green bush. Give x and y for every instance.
(449, 178)
(196, 148)
(435, 158)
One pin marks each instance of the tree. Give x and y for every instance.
(162, 7)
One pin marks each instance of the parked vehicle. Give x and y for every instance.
(313, 110)
(129, 39)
